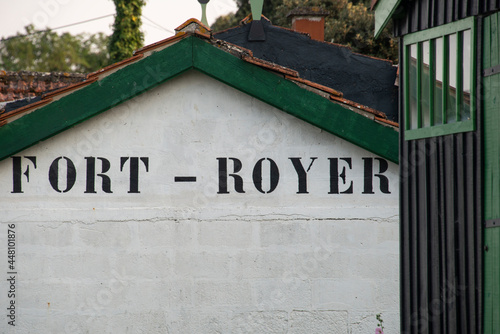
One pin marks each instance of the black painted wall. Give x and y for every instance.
(441, 214)
(362, 79)
(441, 235)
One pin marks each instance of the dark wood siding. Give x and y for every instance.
(441, 232)
(416, 15)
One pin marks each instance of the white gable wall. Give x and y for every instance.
(193, 257)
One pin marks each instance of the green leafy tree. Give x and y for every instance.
(127, 35)
(350, 23)
(47, 51)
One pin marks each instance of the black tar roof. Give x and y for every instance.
(363, 79)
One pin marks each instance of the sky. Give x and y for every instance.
(160, 17)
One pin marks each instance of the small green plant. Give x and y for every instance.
(380, 324)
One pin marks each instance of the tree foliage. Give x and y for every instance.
(127, 35)
(350, 23)
(47, 51)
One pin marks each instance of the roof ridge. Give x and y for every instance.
(198, 25)
(69, 88)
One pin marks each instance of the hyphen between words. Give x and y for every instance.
(265, 174)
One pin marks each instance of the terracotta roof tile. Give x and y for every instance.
(235, 50)
(193, 25)
(204, 35)
(316, 85)
(271, 66)
(64, 90)
(24, 84)
(386, 121)
(359, 106)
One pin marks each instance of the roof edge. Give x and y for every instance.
(384, 9)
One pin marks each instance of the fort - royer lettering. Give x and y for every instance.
(229, 174)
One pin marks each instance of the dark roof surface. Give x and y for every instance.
(365, 80)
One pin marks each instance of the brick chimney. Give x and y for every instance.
(310, 20)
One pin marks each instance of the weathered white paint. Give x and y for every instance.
(180, 258)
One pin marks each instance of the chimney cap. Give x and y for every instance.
(308, 11)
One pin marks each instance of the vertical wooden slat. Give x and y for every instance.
(405, 213)
(423, 236)
(465, 9)
(450, 235)
(476, 81)
(443, 244)
(432, 78)
(478, 227)
(460, 222)
(478, 186)
(456, 10)
(405, 248)
(432, 13)
(492, 289)
(441, 12)
(484, 6)
(406, 81)
(419, 84)
(445, 83)
(489, 153)
(492, 5)
(414, 258)
(471, 230)
(459, 74)
(474, 7)
(436, 263)
(450, 10)
(424, 14)
(491, 48)
(414, 16)
(494, 40)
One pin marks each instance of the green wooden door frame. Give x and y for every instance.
(491, 111)
(198, 54)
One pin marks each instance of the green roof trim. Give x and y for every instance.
(195, 53)
(383, 13)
